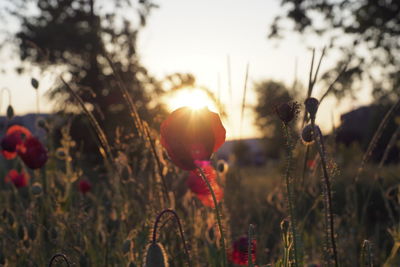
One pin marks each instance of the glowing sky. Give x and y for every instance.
(198, 37)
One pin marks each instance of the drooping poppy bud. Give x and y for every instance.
(311, 104)
(307, 134)
(240, 247)
(10, 112)
(18, 179)
(287, 111)
(34, 154)
(13, 141)
(190, 135)
(84, 186)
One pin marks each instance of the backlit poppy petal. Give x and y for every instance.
(189, 135)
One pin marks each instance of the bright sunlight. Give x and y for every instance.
(194, 98)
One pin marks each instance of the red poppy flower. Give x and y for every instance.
(18, 179)
(13, 141)
(33, 154)
(207, 200)
(84, 186)
(199, 187)
(190, 135)
(196, 183)
(240, 247)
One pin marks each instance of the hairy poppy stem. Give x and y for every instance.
(154, 239)
(217, 214)
(58, 255)
(328, 202)
(293, 225)
(250, 247)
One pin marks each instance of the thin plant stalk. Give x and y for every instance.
(154, 238)
(217, 214)
(328, 203)
(58, 255)
(250, 246)
(376, 137)
(291, 205)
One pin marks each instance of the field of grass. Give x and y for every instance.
(137, 208)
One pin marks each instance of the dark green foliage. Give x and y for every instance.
(352, 27)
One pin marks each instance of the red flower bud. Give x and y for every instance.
(18, 179)
(34, 155)
(84, 186)
(189, 135)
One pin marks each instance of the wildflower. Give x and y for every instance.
(33, 154)
(13, 141)
(84, 186)
(18, 179)
(287, 111)
(190, 135)
(239, 254)
(197, 185)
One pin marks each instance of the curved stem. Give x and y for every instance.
(58, 255)
(217, 214)
(290, 195)
(154, 239)
(329, 213)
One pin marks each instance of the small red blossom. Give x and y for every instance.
(311, 164)
(13, 141)
(18, 179)
(34, 154)
(191, 135)
(197, 185)
(239, 253)
(84, 186)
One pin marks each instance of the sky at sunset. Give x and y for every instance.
(198, 37)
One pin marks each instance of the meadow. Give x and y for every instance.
(151, 200)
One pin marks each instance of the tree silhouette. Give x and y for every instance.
(365, 31)
(82, 37)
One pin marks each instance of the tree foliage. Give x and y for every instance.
(270, 94)
(82, 37)
(365, 31)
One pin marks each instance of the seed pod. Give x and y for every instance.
(155, 256)
(41, 123)
(287, 111)
(10, 112)
(222, 166)
(35, 83)
(311, 104)
(36, 189)
(307, 135)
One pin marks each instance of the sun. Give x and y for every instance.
(193, 98)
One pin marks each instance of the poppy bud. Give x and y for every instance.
(155, 256)
(84, 186)
(222, 166)
(35, 83)
(287, 111)
(311, 104)
(10, 112)
(36, 189)
(191, 135)
(307, 134)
